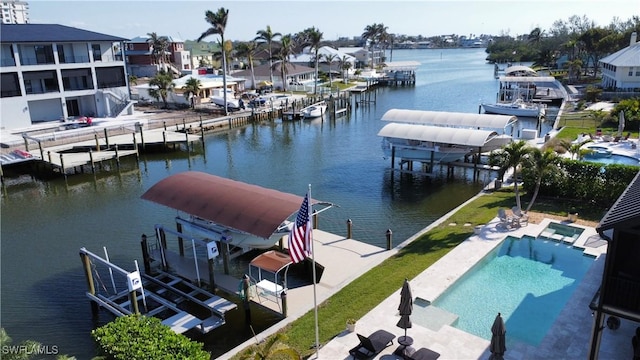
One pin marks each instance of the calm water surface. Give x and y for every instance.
(45, 223)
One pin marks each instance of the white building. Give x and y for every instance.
(52, 72)
(621, 70)
(14, 12)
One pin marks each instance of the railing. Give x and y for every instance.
(74, 59)
(622, 293)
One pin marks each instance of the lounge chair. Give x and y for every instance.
(522, 219)
(372, 345)
(505, 221)
(423, 354)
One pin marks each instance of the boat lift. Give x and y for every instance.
(177, 303)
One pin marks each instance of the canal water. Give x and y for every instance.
(45, 223)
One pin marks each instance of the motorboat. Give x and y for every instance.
(515, 108)
(314, 111)
(218, 99)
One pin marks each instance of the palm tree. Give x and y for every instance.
(286, 49)
(267, 36)
(192, 90)
(542, 163)
(370, 34)
(273, 348)
(161, 85)
(511, 156)
(345, 65)
(159, 45)
(218, 22)
(313, 38)
(329, 59)
(247, 50)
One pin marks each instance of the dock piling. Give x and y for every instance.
(389, 239)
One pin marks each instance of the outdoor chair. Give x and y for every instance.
(423, 354)
(372, 345)
(521, 218)
(506, 222)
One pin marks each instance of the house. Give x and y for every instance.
(52, 72)
(363, 56)
(203, 54)
(296, 73)
(141, 63)
(307, 58)
(208, 85)
(621, 70)
(619, 294)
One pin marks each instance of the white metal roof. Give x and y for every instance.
(520, 68)
(452, 119)
(527, 79)
(438, 134)
(629, 56)
(401, 65)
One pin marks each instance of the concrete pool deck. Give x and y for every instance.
(568, 337)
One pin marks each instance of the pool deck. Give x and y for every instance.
(568, 337)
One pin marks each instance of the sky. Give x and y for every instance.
(185, 20)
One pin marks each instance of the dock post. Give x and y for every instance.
(389, 239)
(283, 297)
(135, 146)
(95, 136)
(246, 284)
(164, 139)
(41, 149)
(62, 166)
(86, 264)
(186, 141)
(225, 257)
(349, 227)
(133, 299)
(93, 164)
(117, 157)
(106, 137)
(145, 254)
(212, 279)
(26, 142)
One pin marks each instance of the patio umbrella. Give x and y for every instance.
(405, 308)
(498, 332)
(621, 123)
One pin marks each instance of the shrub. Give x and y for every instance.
(134, 337)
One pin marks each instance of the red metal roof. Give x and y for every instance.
(233, 204)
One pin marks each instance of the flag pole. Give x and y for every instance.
(313, 260)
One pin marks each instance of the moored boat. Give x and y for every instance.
(314, 111)
(515, 108)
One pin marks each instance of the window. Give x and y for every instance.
(40, 82)
(9, 85)
(110, 77)
(97, 54)
(44, 54)
(61, 57)
(77, 79)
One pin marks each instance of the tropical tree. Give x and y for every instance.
(218, 22)
(160, 86)
(267, 36)
(247, 50)
(541, 163)
(370, 35)
(273, 348)
(329, 59)
(287, 48)
(345, 65)
(192, 90)
(313, 38)
(159, 47)
(511, 157)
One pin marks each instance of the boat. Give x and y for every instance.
(218, 99)
(314, 111)
(515, 108)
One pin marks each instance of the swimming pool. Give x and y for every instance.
(528, 280)
(612, 159)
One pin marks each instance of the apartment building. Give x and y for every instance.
(53, 72)
(14, 12)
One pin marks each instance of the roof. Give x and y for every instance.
(527, 79)
(25, 33)
(308, 55)
(453, 119)
(233, 204)
(438, 134)
(515, 69)
(629, 56)
(146, 38)
(271, 260)
(263, 70)
(401, 65)
(625, 212)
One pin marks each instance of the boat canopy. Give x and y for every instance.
(527, 79)
(400, 65)
(233, 204)
(516, 70)
(438, 134)
(453, 119)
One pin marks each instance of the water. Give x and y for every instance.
(44, 223)
(527, 280)
(612, 159)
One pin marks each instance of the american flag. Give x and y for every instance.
(300, 235)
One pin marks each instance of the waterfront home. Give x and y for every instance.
(621, 70)
(141, 62)
(52, 72)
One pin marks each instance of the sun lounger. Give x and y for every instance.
(372, 345)
(423, 354)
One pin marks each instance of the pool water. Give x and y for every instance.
(612, 159)
(528, 280)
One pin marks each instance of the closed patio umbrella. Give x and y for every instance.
(498, 332)
(621, 123)
(405, 308)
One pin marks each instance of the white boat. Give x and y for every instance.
(218, 99)
(515, 108)
(314, 111)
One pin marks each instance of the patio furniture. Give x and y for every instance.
(372, 345)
